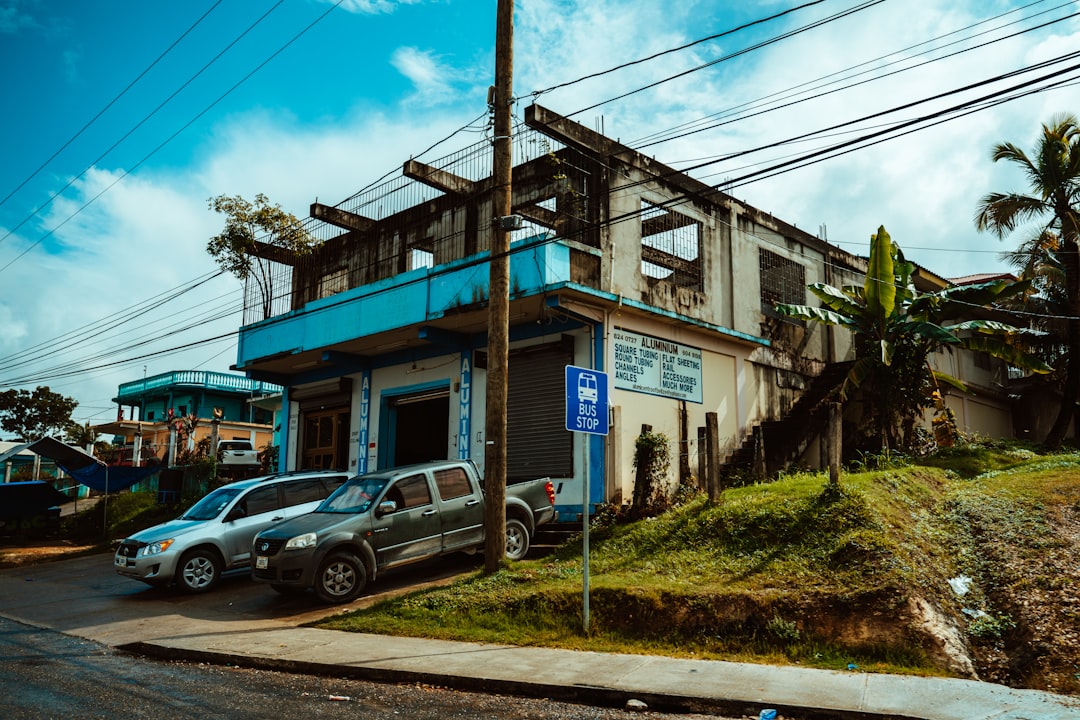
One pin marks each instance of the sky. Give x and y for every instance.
(122, 118)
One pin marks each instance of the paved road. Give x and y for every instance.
(85, 597)
(51, 675)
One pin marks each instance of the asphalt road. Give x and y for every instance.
(51, 675)
(59, 623)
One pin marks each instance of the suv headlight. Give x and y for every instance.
(302, 541)
(155, 548)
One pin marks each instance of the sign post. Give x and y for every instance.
(586, 412)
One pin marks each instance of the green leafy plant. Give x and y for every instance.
(895, 328)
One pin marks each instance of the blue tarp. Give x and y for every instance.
(109, 478)
(88, 470)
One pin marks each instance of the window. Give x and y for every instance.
(298, 492)
(670, 246)
(782, 281)
(260, 500)
(982, 361)
(411, 492)
(452, 483)
(333, 283)
(421, 258)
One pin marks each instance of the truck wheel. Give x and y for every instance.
(199, 571)
(517, 539)
(340, 578)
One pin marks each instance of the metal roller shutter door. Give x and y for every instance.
(538, 443)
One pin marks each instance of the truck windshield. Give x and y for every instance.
(355, 496)
(211, 506)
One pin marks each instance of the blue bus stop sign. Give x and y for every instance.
(586, 400)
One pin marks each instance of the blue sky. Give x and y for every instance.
(373, 83)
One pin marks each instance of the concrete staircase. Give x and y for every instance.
(778, 443)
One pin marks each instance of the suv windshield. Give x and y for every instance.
(211, 506)
(355, 496)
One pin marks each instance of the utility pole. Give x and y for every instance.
(499, 295)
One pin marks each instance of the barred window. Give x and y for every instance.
(333, 283)
(782, 281)
(670, 246)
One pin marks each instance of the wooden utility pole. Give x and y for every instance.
(499, 295)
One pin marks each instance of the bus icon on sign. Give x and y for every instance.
(586, 388)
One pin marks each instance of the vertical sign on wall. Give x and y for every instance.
(465, 410)
(365, 417)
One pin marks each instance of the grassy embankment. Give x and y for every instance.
(786, 572)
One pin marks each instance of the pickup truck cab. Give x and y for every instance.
(388, 518)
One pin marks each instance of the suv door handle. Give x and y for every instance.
(472, 503)
(277, 517)
(427, 513)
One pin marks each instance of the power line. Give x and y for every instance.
(137, 125)
(535, 94)
(757, 46)
(190, 122)
(665, 136)
(101, 112)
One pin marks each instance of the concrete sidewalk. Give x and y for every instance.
(607, 679)
(250, 626)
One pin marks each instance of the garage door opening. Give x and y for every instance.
(417, 428)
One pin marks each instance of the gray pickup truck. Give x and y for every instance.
(388, 518)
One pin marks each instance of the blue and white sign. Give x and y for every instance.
(586, 400)
(465, 406)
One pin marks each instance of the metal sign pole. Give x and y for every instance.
(585, 539)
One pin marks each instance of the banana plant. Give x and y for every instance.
(895, 329)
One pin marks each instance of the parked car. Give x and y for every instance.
(237, 452)
(389, 518)
(215, 534)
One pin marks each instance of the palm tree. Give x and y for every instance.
(1054, 176)
(896, 328)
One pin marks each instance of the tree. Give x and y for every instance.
(253, 234)
(82, 436)
(33, 415)
(1054, 205)
(896, 328)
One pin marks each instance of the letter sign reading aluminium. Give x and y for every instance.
(586, 400)
(657, 367)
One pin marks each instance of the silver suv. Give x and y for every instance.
(215, 534)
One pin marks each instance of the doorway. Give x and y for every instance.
(324, 446)
(416, 427)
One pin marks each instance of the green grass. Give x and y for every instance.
(767, 574)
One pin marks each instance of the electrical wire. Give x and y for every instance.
(535, 94)
(137, 125)
(112, 102)
(219, 337)
(658, 138)
(153, 152)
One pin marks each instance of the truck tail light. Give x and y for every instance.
(550, 492)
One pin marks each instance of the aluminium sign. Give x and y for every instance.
(659, 367)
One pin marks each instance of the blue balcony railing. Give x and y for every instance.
(208, 380)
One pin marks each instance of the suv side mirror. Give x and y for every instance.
(236, 513)
(386, 507)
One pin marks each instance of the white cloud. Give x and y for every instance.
(372, 7)
(148, 233)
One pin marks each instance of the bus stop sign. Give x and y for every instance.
(586, 400)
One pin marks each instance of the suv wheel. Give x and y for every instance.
(517, 539)
(340, 578)
(199, 571)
